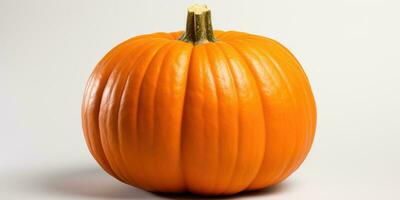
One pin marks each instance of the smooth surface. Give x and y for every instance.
(349, 50)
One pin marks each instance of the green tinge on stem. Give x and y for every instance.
(198, 26)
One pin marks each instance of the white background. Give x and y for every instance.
(350, 50)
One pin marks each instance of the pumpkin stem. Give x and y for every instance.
(198, 25)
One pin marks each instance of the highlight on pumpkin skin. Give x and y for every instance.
(199, 116)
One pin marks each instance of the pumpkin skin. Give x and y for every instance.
(214, 118)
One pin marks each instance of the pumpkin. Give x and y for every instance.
(201, 111)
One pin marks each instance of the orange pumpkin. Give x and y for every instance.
(208, 112)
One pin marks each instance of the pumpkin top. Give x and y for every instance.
(198, 9)
(198, 25)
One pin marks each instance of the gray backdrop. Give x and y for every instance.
(349, 49)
